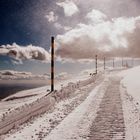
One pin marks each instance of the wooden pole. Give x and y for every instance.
(96, 63)
(52, 64)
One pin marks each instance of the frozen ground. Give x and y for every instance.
(42, 126)
(24, 110)
(131, 82)
(106, 111)
(130, 88)
(7, 105)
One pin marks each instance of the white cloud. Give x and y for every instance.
(114, 37)
(96, 16)
(69, 7)
(67, 28)
(16, 73)
(58, 26)
(29, 52)
(51, 17)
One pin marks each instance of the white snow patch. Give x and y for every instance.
(42, 124)
(76, 125)
(130, 89)
(7, 107)
(131, 81)
(131, 116)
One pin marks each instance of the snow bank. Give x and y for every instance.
(131, 116)
(38, 106)
(42, 126)
(45, 123)
(77, 124)
(71, 87)
(131, 80)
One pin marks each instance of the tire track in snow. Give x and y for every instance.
(41, 127)
(109, 122)
(76, 125)
(131, 115)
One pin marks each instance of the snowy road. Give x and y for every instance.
(77, 124)
(48, 123)
(99, 112)
(100, 117)
(109, 122)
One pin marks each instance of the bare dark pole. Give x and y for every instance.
(96, 62)
(52, 64)
(104, 63)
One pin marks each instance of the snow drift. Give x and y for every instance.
(132, 82)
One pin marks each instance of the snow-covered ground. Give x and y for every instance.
(24, 103)
(42, 126)
(131, 80)
(42, 90)
(130, 88)
(72, 118)
(77, 124)
(7, 105)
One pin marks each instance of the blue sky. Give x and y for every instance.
(23, 22)
(26, 22)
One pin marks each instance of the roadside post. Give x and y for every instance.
(96, 63)
(104, 63)
(52, 64)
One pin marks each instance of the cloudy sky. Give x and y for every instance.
(81, 28)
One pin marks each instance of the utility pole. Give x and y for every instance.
(96, 63)
(52, 64)
(104, 63)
